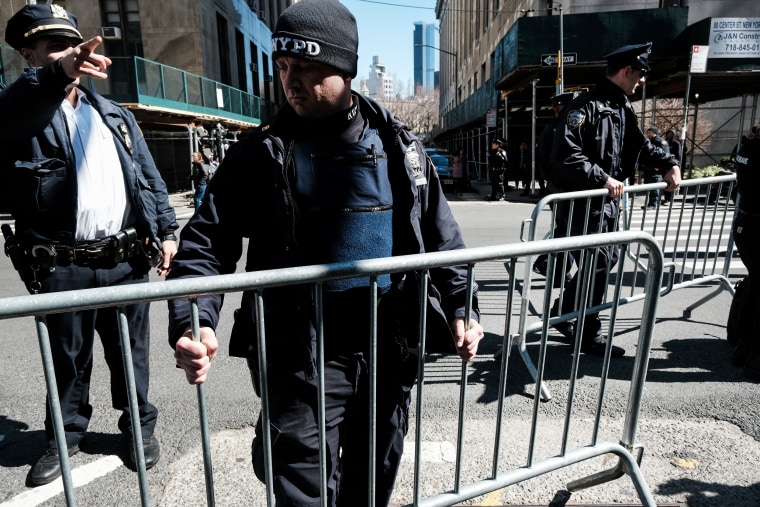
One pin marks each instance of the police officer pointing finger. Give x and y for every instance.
(90, 210)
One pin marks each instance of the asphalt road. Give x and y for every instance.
(699, 422)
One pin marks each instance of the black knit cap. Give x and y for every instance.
(40, 20)
(321, 31)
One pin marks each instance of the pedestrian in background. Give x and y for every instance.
(674, 146)
(458, 171)
(200, 173)
(597, 146)
(746, 228)
(497, 168)
(91, 210)
(332, 177)
(524, 164)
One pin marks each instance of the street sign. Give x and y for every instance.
(699, 58)
(490, 117)
(550, 60)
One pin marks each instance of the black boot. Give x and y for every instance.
(48, 467)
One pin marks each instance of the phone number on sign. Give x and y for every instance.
(742, 47)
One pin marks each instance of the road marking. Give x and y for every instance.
(79, 477)
(431, 452)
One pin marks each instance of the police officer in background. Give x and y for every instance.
(545, 143)
(597, 146)
(332, 177)
(497, 168)
(746, 228)
(91, 210)
(652, 173)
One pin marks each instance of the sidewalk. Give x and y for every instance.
(182, 202)
(480, 190)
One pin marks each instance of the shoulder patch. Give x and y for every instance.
(415, 164)
(575, 119)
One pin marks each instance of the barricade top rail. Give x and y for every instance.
(548, 199)
(43, 304)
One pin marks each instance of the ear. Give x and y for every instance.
(27, 54)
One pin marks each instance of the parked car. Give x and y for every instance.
(437, 151)
(442, 165)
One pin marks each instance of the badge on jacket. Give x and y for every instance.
(416, 165)
(575, 119)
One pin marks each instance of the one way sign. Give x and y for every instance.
(550, 60)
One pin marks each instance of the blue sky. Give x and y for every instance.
(386, 29)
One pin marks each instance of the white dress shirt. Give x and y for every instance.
(102, 203)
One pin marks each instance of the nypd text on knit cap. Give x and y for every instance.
(296, 46)
(322, 31)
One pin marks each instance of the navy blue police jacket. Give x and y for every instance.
(38, 166)
(250, 198)
(599, 137)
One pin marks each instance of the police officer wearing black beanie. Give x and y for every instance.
(332, 177)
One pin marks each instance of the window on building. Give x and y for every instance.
(242, 71)
(475, 80)
(124, 15)
(483, 71)
(267, 77)
(255, 75)
(223, 46)
(485, 16)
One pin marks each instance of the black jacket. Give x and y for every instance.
(498, 160)
(250, 198)
(748, 174)
(599, 138)
(38, 166)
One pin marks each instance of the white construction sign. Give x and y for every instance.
(735, 38)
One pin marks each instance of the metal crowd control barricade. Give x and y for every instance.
(626, 449)
(694, 231)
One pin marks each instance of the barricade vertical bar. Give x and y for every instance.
(372, 389)
(580, 303)
(264, 389)
(203, 412)
(506, 347)
(608, 350)
(318, 303)
(422, 331)
(134, 412)
(463, 378)
(54, 403)
(652, 283)
(550, 270)
(460, 426)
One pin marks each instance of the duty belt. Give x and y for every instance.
(113, 249)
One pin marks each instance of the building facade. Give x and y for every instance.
(493, 52)
(379, 84)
